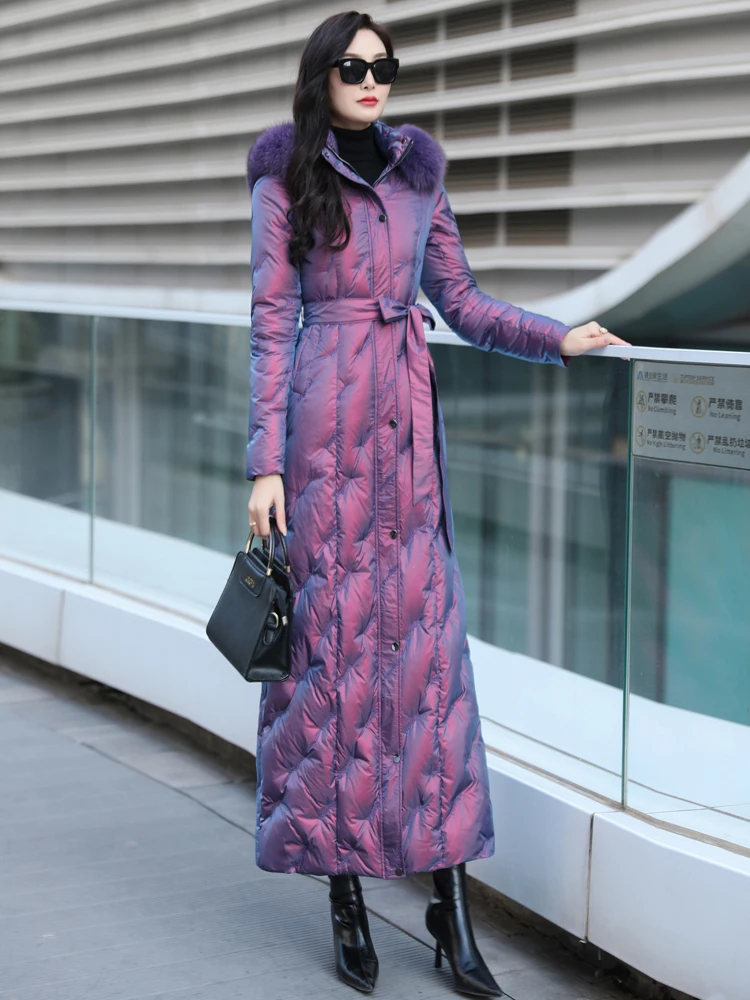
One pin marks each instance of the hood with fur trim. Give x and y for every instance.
(423, 168)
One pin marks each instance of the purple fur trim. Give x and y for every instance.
(271, 152)
(423, 168)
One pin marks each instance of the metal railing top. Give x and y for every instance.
(441, 335)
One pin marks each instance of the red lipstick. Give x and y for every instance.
(367, 100)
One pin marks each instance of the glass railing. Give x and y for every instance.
(45, 440)
(689, 592)
(170, 426)
(599, 516)
(537, 459)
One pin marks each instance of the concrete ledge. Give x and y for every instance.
(160, 657)
(675, 907)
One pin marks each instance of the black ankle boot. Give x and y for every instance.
(447, 919)
(356, 961)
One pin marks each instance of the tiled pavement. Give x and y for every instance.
(127, 871)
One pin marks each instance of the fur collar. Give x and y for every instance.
(423, 168)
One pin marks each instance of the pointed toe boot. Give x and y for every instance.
(354, 953)
(447, 919)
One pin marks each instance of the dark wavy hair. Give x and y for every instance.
(314, 187)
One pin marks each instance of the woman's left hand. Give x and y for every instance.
(580, 339)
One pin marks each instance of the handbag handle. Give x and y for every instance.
(271, 546)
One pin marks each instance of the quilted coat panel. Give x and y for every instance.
(370, 757)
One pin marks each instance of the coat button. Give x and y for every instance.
(392, 422)
(382, 217)
(393, 532)
(394, 645)
(399, 871)
(396, 757)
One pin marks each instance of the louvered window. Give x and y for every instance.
(533, 11)
(473, 72)
(474, 21)
(546, 228)
(471, 123)
(540, 116)
(473, 175)
(427, 122)
(549, 60)
(414, 81)
(540, 170)
(478, 230)
(417, 32)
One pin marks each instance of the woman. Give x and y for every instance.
(370, 758)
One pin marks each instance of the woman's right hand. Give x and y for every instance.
(268, 491)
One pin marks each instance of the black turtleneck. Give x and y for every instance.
(358, 147)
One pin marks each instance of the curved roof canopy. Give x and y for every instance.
(693, 274)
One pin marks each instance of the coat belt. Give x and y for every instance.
(419, 365)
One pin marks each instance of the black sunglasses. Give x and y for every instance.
(352, 70)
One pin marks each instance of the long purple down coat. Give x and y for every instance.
(370, 758)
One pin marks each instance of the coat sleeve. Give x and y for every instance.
(274, 322)
(487, 323)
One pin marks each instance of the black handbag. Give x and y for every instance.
(251, 623)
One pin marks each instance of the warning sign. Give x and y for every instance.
(692, 413)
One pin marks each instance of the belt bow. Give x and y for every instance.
(420, 366)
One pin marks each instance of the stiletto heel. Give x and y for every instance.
(447, 919)
(354, 953)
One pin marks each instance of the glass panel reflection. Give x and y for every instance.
(689, 708)
(171, 494)
(45, 419)
(538, 474)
